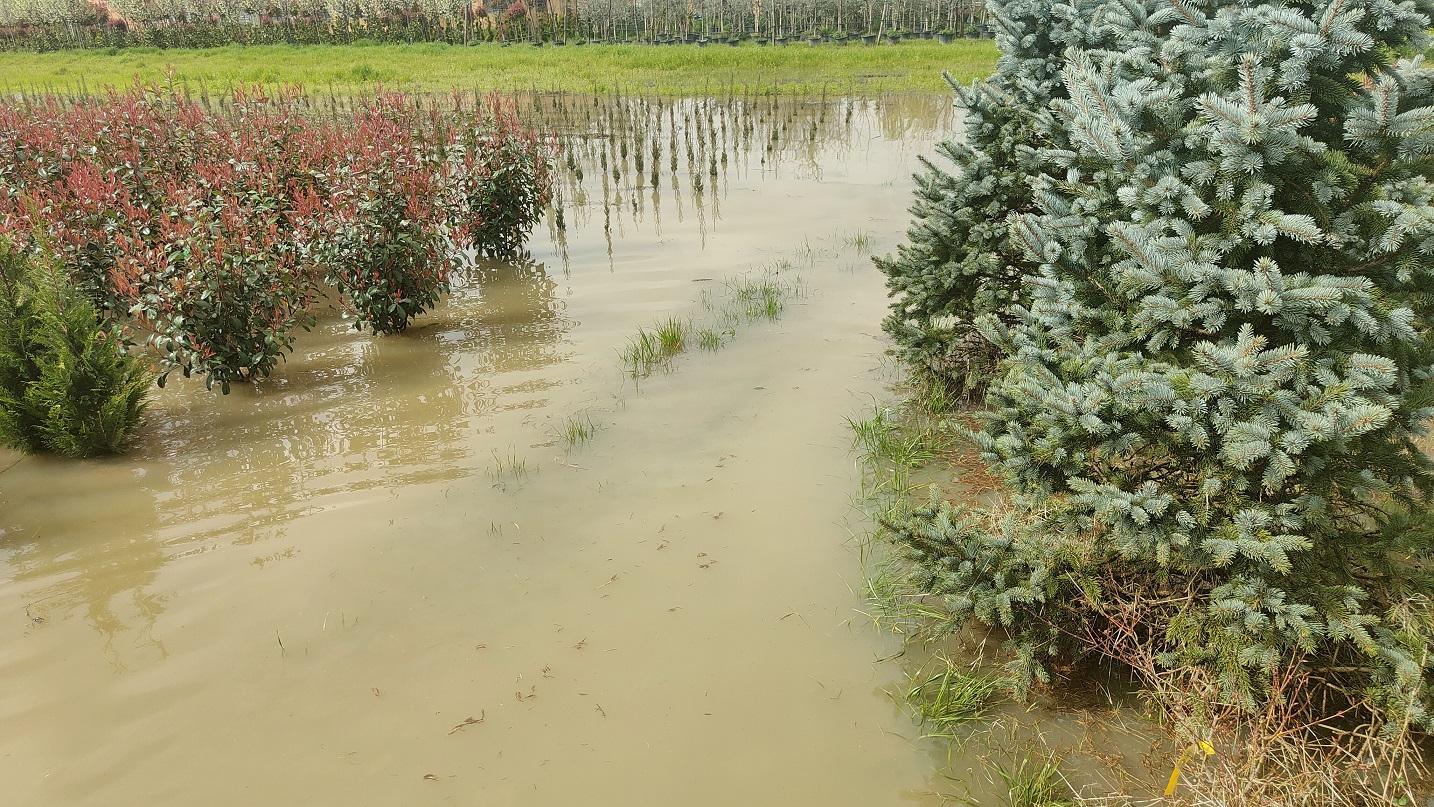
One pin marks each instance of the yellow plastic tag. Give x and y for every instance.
(1174, 780)
(1203, 746)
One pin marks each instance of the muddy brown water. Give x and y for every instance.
(380, 577)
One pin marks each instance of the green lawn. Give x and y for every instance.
(683, 69)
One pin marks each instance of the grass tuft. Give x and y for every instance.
(764, 296)
(506, 466)
(884, 445)
(860, 242)
(749, 298)
(895, 603)
(710, 340)
(649, 349)
(1036, 782)
(578, 429)
(952, 699)
(672, 337)
(642, 353)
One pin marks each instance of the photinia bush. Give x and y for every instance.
(389, 251)
(221, 292)
(213, 232)
(499, 174)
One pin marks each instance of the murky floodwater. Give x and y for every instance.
(381, 578)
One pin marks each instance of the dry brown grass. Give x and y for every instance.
(1308, 743)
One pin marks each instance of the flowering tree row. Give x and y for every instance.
(211, 235)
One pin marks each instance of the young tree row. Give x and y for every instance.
(50, 24)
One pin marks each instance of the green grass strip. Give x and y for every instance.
(807, 70)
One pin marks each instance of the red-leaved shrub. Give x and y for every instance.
(212, 232)
(500, 179)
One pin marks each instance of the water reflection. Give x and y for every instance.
(614, 150)
(99, 560)
(505, 316)
(349, 416)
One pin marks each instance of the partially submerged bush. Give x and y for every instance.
(500, 178)
(1211, 401)
(223, 296)
(214, 232)
(68, 384)
(20, 349)
(390, 252)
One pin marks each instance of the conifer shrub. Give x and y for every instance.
(1212, 394)
(68, 383)
(20, 348)
(959, 260)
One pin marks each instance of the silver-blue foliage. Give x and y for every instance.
(1218, 358)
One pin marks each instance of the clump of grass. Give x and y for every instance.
(935, 395)
(895, 603)
(763, 296)
(807, 252)
(507, 466)
(672, 337)
(577, 429)
(729, 320)
(873, 433)
(884, 444)
(952, 699)
(1036, 782)
(708, 300)
(749, 298)
(649, 349)
(860, 241)
(710, 339)
(642, 353)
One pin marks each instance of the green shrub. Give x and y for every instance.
(68, 384)
(227, 303)
(501, 179)
(259, 208)
(393, 275)
(20, 350)
(388, 253)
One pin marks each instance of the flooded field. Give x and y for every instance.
(485, 562)
(391, 574)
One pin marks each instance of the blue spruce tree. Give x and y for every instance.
(1215, 385)
(959, 261)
